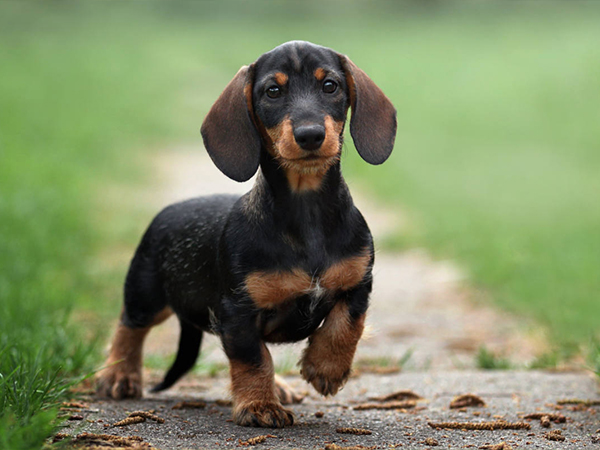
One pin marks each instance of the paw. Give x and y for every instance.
(116, 383)
(262, 414)
(325, 376)
(285, 393)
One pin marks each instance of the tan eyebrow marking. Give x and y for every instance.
(281, 78)
(320, 73)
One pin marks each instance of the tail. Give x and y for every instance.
(187, 354)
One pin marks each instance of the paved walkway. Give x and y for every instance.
(508, 396)
(423, 315)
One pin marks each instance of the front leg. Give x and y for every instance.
(255, 399)
(327, 361)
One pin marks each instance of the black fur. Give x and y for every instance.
(196, 255)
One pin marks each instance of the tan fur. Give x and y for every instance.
(347, 273)
(304, 174)
(122, 377)
(250, 105)
(250, 383)
(284, 141)
(254, 394)
(248, 96)
(285, 393)
(269, 289)
(320, 74)
(327, 360)
(281, 78)
(331, 146)
(162, 316)
(303, 181)
(271, 136)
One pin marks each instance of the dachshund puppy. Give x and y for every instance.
(289, 260)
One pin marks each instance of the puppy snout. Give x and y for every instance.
(309, 137)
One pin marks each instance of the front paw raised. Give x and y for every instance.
(262, 414)
(326, 376)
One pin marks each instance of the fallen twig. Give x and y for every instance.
(554, 435)
(147, 415)
(92, 439)
(404, 394)
(256, 440)
(578, 401)
(500, 446)
(129, 421)
(138, 417)
(358, 431)
(465, 400)
(353, 447)
(496, 425)
(406, 404)
(554, 417)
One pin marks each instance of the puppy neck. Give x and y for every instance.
(288, 183)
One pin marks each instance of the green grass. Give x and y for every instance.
(202, 368)
(593, 356)
(547, 361)
(495, 165)
(61, 141)
(383, 364)
(488, 360)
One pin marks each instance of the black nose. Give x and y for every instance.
(309, 137)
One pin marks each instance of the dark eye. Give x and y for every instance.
(274, 92)
(329, 87)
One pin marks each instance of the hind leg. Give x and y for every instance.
(145, 306)
(285, 393)
(122, 376)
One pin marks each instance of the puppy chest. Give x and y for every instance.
(269, 289)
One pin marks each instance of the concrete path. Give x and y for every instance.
(507, 396)
(423, 317)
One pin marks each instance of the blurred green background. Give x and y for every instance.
(496, 165)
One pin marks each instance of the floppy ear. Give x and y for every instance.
(229, 134)
(373, 122)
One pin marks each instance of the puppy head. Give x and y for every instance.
(293, 103)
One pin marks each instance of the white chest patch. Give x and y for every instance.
(316, 293)
(316, 290)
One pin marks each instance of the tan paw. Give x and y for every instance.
(262, 414)
(325, 376)
(285, 393)
(114, 382)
